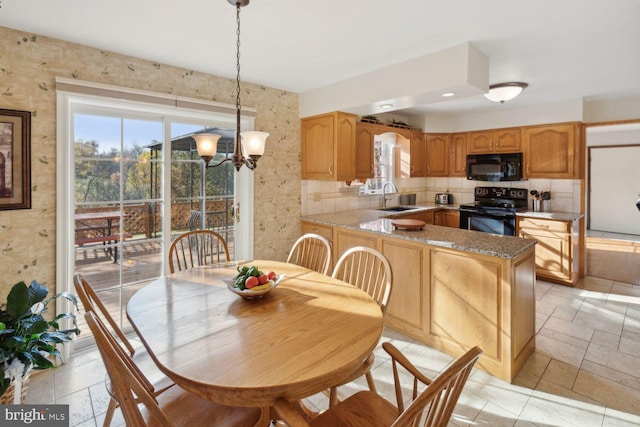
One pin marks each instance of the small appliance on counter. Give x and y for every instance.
(408, 199)
(444, 198)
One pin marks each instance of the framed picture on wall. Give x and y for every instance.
(15, 159)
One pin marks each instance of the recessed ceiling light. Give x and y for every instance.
(386, 106)
(448, 94)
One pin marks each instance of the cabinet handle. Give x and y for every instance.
(498, 144)
(490, 145)
(331, 168)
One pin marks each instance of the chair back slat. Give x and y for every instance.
(92, 302)
(436, 403)
(196, 248)
(127, 381)
(367, 269)
(311, 251)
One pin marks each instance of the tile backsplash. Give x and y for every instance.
(328, 196)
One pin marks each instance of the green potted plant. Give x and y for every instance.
(27, 340)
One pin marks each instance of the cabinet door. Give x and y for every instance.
(328, 147)
(318, 160)
(426, 216)
(458, 150)
(437, 155)
(506, 140)
(344, 239)
(410, 156)
(553, 251)
(447, 218)
(406, 304)
(364, 151)
(551, 152)
(345, 147)
(480, 142)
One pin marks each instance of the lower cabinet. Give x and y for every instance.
(447, 218)
(324, 231)
(555, 250)
(452, 300)
(426, 216)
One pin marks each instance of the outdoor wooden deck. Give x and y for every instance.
(141, 262)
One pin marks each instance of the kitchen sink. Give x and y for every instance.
(397, 209)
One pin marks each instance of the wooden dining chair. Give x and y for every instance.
(369, 270)
(158, 382)
(431, 407)
(196, 248)
(175, 407)
(311, 251)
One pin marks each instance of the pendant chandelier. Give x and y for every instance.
(249, 145)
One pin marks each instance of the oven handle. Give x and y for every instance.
(489, 214)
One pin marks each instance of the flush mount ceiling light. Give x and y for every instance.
(249, 146)
(386, 106)
(501, 92)
(448, 94)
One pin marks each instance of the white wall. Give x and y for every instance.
(501, 116)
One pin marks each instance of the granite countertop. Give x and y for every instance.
(558, 216)
(379, 222)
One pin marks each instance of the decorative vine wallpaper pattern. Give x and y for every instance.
(29, 65)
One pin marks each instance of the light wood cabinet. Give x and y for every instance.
(426, 216)
(410, 156)
(325, 231)
(365, 134)
(437, 154)
(555, 250)
(552, 151)
(458, 154)
(452, 300)
(494, 141)
(447, 218)
(409, 268)
(328, 147)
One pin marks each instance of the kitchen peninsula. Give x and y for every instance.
(452, 288)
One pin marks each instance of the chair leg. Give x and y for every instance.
(333, 396)
(370, 382)
(109, 415)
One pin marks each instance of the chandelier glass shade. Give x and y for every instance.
(249, 145)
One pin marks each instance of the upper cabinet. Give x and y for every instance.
(552, 151)
(365, 134)
(410, 155)
(458, 154)
(329, 147)
(494, 141)
(437, 154)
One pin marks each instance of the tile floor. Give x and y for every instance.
(614, 236)
(585, 370)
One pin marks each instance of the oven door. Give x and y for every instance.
(495, 222)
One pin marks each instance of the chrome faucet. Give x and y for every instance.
(384, 194)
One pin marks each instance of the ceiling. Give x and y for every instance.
(567, 49)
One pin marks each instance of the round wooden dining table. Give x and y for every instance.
(309, 333)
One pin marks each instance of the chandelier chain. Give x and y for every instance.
(238, 62)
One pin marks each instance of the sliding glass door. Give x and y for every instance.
(134, 182)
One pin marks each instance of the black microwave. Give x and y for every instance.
(494, 167)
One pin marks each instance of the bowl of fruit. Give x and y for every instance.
(252, 283)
